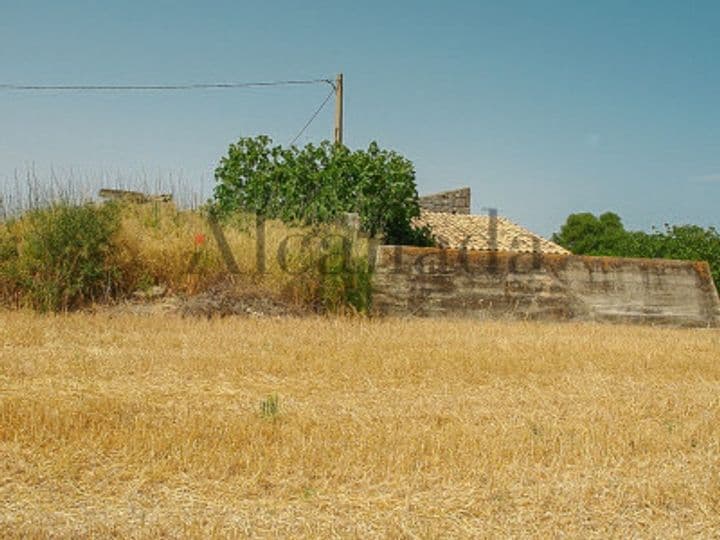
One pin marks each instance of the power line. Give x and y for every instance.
(314, 116)
(162, 87)
(179, 87)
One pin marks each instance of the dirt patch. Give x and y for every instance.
(227, 299)
(222, 300)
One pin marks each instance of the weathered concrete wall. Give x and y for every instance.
(449, 202)
(437, 282)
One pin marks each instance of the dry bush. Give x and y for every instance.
(156, 244)
(327, 427)
(159, 244)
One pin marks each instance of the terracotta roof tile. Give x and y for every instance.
(475, 232)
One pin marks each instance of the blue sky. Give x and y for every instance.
(542, 108)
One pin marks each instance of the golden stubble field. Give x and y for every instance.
(133, 426)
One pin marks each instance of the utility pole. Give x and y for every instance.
(339, 109)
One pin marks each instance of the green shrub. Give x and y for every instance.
(345, 283)
(62, 253)
(330, 273)
(8, 263)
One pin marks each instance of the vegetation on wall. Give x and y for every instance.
(316, 184)
(605, 235)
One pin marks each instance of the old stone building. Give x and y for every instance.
(448, 216)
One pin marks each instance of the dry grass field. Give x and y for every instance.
(132, 426)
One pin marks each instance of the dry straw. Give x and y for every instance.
(145, 427)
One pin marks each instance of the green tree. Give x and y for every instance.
(317, 184)
(586, 234)
(691, 242)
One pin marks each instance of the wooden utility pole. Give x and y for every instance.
(339, 109)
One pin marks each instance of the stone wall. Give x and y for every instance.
(451, 202)
(436, 282)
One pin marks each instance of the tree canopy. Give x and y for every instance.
(587, 234)
(316, 184)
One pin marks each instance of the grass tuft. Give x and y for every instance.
(270, 407)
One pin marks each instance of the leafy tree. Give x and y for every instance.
(589, 235)
(586, 234)
(316, 184)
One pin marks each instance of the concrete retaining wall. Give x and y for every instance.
(439, 282)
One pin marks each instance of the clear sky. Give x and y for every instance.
(542, 108)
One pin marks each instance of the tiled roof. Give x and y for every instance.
(475, 232)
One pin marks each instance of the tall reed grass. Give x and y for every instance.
(30, 189)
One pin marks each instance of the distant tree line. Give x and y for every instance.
(605, 235)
